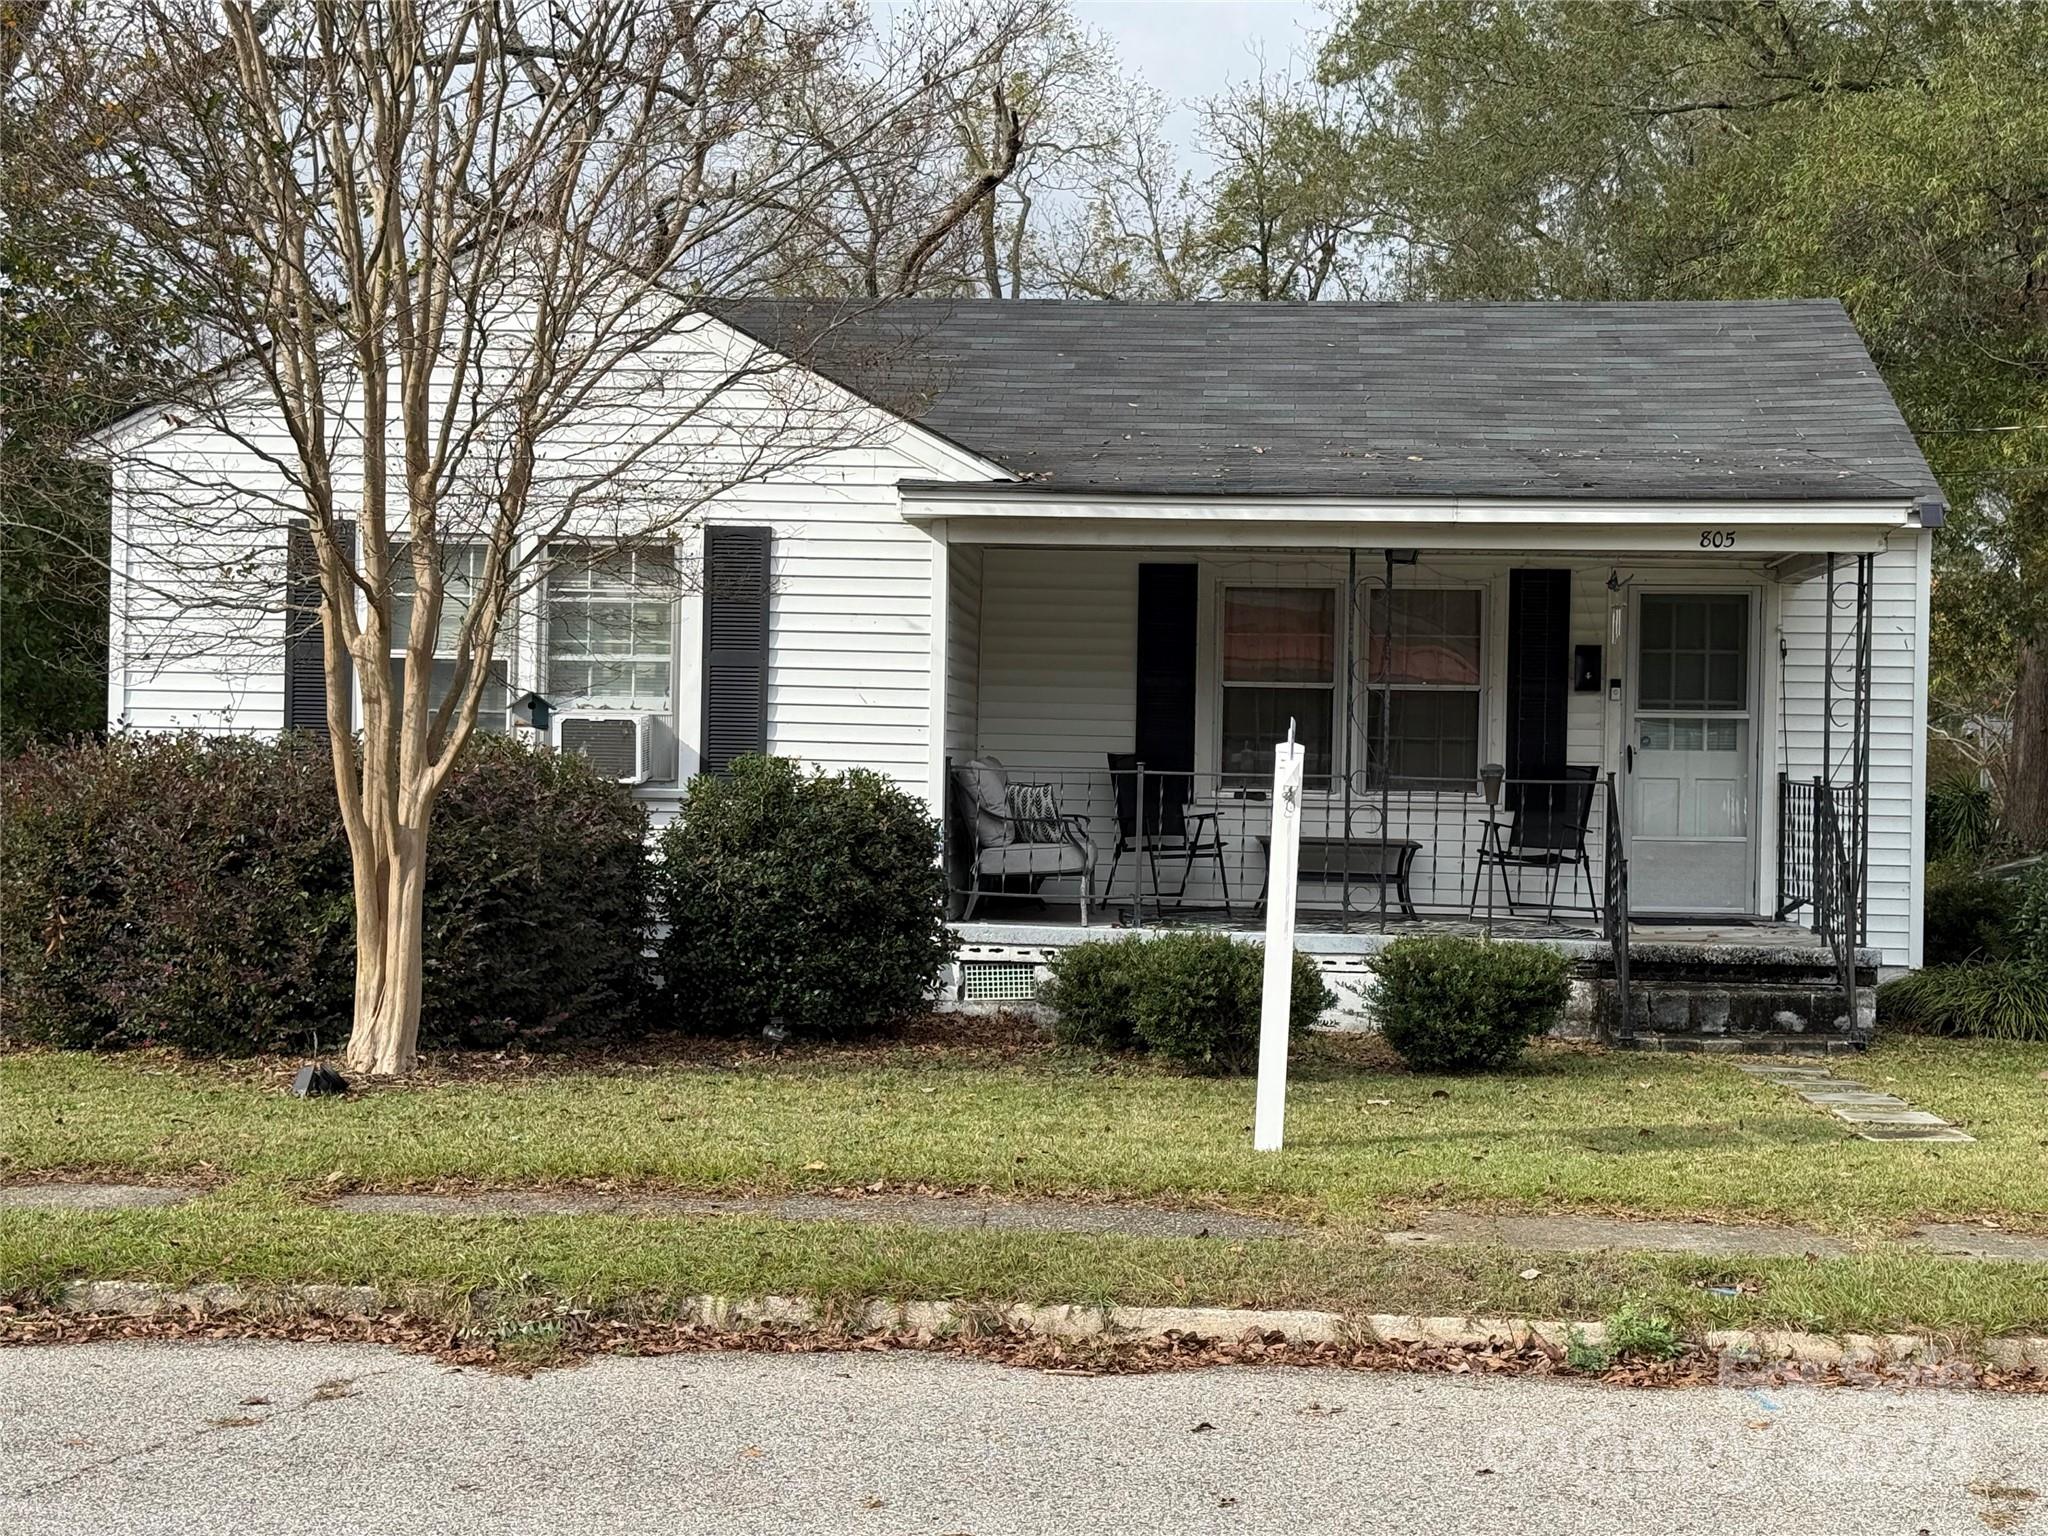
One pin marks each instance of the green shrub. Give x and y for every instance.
(1462, 1005)
(2029, 931)
(1968, 916)
(1091, 990)
(195, 892)
(1962, 820)
(1196, 1000)
(807, 901)
(2000, 1000)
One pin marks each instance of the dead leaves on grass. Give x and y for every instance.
(581, 1337)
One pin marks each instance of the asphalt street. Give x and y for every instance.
(262, 1438)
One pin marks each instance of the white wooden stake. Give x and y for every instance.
(1283, 861)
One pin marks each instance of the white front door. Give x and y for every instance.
(1690, 786)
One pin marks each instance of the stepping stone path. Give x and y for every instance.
(1870, 1114)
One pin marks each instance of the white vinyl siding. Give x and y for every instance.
(1897, 723)
(963, 649)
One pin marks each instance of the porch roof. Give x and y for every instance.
(1772, 402)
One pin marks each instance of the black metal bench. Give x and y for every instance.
(1371, 863)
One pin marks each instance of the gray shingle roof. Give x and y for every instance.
(1749, 400)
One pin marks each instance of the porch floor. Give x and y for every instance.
(1023, 921)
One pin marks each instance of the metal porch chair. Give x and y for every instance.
(1004, 845)
(1174, 831)
(1547, 831)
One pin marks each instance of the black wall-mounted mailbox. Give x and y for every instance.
(1586, 669)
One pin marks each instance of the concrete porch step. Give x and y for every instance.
(1744, 1045)
(1718, 1008)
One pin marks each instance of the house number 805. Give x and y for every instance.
(1718, 539)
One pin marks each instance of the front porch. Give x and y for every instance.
(1661, 765)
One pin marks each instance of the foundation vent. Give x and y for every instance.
(998, 981)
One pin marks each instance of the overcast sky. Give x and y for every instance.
(1193, 48)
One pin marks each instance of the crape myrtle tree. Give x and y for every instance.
(452, 265)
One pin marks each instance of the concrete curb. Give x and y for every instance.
(128, 1298)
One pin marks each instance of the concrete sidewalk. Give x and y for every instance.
(1559, 1233)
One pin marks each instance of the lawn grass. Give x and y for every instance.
(259, 1238)
(1570, 1129)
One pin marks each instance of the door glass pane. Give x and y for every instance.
(1279, 635)
(1692, 652)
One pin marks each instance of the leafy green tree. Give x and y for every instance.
(1892, 154)
(86, 331)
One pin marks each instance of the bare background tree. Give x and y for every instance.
(445, 264)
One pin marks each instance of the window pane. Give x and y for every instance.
(1432, 736)
(492, 707)
(1724, 680)
(1424, 635)
(462, 567)
(611, 627)
(1654, 690)
(1255, 721)
(1688, 679)
(1279, 635)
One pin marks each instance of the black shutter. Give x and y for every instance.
(305, 660)
(1166, 667)
(1539, 672)
(735, 645)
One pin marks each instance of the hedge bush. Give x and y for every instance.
(1997, 990)
(813, 903)
(1968, 916)
(1090, 989)
(1198, 996)
(2004, 1000)
(1451, 1004)
(195, 892)
(1191, 998)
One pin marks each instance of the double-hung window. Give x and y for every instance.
(462, 567)
(611, 628)
(1425, 652)
(1279, 662)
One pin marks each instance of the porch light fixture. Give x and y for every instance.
(1491, 777)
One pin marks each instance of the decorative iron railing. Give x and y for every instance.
(1149, 848)
(1796, 800)
(1614, 915)
(1836, 898)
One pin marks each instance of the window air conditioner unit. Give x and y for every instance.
(620, 746)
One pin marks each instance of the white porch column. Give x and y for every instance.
(941, 606)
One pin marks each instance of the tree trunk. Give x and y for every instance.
(2026, 797)
(390, 931)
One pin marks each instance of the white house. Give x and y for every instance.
(1665, 567)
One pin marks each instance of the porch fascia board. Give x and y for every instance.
(974, 516)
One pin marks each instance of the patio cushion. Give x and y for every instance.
(1035, 811)
(985, 788)
(1061, 858)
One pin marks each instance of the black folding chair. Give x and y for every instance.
(1548, 831)
(1174, 831)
